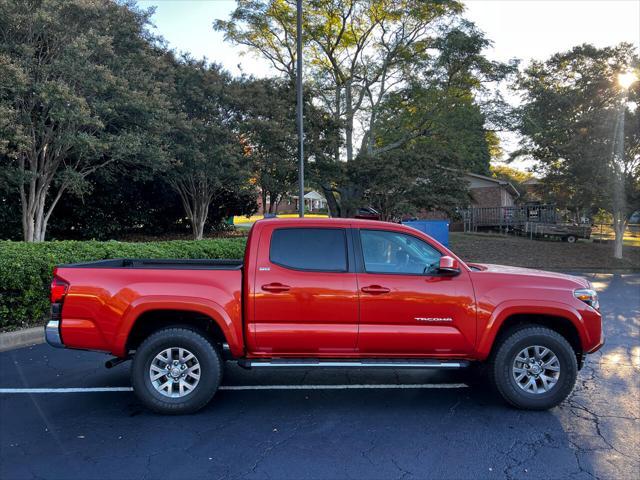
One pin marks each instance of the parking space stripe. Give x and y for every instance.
(415, 386)
(66, 390)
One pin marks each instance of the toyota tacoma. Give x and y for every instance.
(327, 293)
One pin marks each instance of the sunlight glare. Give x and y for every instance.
(626, 79)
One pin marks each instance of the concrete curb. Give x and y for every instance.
(21, 338)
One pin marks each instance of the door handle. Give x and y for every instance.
(275, 287)
(375, 289)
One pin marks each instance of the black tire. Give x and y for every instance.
(207, 355)
(502, 360)
(571, 238)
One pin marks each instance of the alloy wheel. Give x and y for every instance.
(175, 372)
(536, 369)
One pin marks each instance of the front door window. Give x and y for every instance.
(394, 252)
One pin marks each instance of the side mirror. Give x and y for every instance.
(448, 265)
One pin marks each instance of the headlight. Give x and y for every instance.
(588, 296)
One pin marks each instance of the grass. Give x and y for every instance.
(543, 254)
(605, 233)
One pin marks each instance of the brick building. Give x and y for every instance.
(490, 192)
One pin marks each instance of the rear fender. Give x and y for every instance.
(529, 307)
(231, 330)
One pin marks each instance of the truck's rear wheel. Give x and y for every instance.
(176, 370)
(534, 368)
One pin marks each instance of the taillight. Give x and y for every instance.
(58, 289)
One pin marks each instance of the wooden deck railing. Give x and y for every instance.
(507, 217)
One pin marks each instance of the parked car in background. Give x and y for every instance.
(367, 213)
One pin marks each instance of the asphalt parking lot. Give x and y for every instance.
(351, 424)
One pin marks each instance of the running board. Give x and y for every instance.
(366, 363)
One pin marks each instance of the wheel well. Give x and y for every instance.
(560, 325)
(154, 320)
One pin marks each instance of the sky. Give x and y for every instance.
(524, 29)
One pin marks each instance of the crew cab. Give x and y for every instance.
(327, 293)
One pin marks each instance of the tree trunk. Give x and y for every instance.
(34, 226)
(277, 204)
(41, 217)
(195, 201)
(619, 227)
(28, 201)
(27, 222)
(332, 203)
(263, 195)
(337, 114)
(349, 121)
(41, 169)
(350, 198)
(270, 202)
(199, 220)
(198, 229)
(34, 212)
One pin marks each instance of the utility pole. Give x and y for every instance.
(299, 109)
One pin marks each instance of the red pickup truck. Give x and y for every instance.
(327, 293)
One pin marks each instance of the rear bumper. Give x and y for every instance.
(52, 334)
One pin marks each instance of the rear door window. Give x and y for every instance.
(313, 249)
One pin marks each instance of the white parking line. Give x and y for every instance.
(66, 390)
(415, 386)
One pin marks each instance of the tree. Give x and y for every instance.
(267, 123)
(356, 50)
(426, 172)
(407, 182)
(207, 154)
(128, 202)
(513, 175)
(439, 111)
(78, 94)
(510, 174)
(357, 54)
(268, 132)
(573, 123)
(134, 203)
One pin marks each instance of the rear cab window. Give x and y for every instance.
(309, 249)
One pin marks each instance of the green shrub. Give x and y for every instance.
(26, 268)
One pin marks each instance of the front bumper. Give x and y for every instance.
(600, 343)
(52, 334)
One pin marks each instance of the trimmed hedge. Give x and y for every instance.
(26, 268)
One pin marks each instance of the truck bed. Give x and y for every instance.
(104, 298)
(164, 264)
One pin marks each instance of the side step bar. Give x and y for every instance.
(364, 363)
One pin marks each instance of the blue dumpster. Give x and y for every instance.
(438, 229)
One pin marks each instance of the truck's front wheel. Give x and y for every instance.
(176, 370)
(534, 368)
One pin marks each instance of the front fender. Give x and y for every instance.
(231, 330)
(508, 308)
